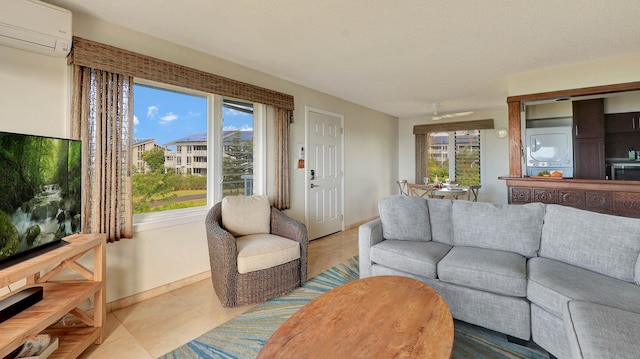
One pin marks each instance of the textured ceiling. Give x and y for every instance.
(394, 56)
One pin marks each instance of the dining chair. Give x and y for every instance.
(402, 184)
(473, 190)
(420, 190)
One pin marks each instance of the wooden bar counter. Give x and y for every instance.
(621, 198)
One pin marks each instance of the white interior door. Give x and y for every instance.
(324, 171)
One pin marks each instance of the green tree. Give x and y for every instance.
(467, 166)
(154, 159)
(238, 161)
(148, 187)
(437, 170)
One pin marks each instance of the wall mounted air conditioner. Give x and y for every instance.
(35, 26)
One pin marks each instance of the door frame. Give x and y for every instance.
(307, 181)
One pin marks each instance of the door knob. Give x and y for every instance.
(314, 185)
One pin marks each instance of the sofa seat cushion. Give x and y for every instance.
(552, 284)
(602, 243)
(415, 257)
(485, 269)
(492, 226)
(262, 251)
(596, 331)
(405, 218)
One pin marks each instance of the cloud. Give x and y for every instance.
(234, 128)
(192, 114)
(136, 121)
(169, 117)
(152, 111)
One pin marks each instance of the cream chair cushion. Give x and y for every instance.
(262, 251)
(243, 215)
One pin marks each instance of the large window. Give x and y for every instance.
(172, 121)
(199, 148)
(455, 156)
(237, 146)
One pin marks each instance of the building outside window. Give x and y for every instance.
(180, 124)
(455, 156)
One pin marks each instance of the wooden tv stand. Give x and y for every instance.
(61, 297)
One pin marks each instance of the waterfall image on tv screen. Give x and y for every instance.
(40, 198)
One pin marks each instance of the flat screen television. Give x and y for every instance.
(40, 194)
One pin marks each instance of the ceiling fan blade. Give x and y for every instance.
(451, 115)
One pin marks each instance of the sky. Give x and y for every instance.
(167, 115)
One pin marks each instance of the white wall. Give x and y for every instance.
(606, 72)
(35, 98)
(494, 152)
(34, 93)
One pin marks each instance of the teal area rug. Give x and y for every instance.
(243, 336)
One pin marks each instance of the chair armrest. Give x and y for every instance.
(369, 234)
(223, 253)
(285, 226)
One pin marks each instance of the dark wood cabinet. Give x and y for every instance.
(588, 140)
(622, 122)
(588, 118)
(622, 132)
(589, 158)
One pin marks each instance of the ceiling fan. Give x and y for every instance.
(435, 117)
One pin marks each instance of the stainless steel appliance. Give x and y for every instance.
(549, 149)
(624, 170)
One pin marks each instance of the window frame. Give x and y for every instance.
(421, 133)
(156, 220)
(451, 152)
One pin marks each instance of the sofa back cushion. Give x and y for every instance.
(404, 218)
(244, 215)
(505, 227)
(441, 220)
(601, 243)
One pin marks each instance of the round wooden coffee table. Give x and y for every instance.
(376, 317)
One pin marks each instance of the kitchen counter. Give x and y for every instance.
(620, 198)
(628, 163)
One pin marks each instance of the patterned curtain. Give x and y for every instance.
(281, 193)
(102, 117)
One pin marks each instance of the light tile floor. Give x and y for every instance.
(156, 326)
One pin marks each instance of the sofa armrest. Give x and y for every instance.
(369, 234)
(285, 226)
(223, 255)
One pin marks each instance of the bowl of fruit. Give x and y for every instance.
(552, 174)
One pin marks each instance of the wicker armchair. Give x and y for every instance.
(236, 289)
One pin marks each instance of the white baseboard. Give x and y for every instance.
(151, 293)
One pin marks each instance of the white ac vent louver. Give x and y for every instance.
(36, 26)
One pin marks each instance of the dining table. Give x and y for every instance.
(449, 191)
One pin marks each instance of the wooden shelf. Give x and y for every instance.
(73, 340)
(60, 297)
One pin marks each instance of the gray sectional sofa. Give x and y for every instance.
(546, 273)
